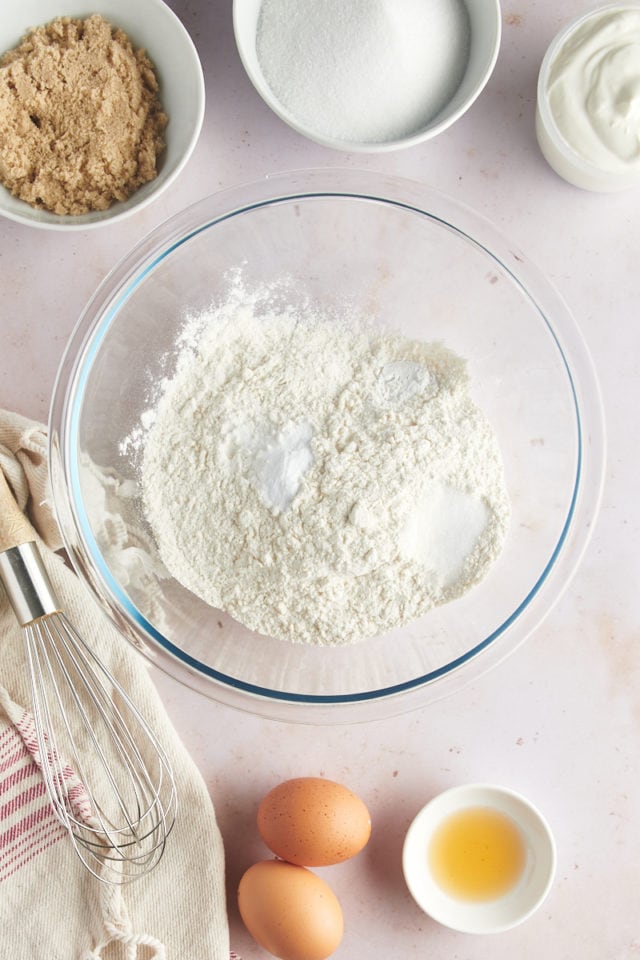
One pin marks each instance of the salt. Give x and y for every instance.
(363, 70)
(443, 529)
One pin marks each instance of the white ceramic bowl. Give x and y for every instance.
(484, 31)
(594, 169)
(492, 915)
(151, 25)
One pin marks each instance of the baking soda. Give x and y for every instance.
(363, 70)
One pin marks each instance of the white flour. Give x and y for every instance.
(318, 481)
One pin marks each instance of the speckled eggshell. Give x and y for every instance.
(313, 822)
(290, 911)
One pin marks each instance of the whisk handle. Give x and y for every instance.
(15, 529)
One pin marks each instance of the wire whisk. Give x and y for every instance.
(107, 777)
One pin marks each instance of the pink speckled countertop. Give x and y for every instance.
(560, 719)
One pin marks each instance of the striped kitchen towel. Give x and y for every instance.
(28, 825)
(51, 908)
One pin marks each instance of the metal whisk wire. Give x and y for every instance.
(107, 776)
(64, 670)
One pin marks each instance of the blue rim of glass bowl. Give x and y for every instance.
(130, 608)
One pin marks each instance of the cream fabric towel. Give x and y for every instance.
(51, 908)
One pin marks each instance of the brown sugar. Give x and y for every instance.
(81, 124)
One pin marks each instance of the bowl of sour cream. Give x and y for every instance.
(588, 100)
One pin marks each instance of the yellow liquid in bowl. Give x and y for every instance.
(477, 854)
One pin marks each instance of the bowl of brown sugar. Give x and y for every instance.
(99, 111)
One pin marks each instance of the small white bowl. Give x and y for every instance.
(150, 25)
(485, 916)
(485, 31)
(606, 174)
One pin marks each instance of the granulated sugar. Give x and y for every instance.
(363, 70)
(318, 481)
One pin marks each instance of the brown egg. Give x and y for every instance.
(313, 822)
(290, 911)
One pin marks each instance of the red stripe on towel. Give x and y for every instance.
(56, 833)
(29, 846)
(28, 825)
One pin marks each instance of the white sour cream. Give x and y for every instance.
(593, 90)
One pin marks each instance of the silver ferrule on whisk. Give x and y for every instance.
(27, 583)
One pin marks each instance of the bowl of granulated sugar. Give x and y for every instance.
(326, 446)
(100, 110)
(368, 75)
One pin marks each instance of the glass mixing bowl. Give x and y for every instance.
(432, 270)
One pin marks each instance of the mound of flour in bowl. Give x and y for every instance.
(319, 481)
